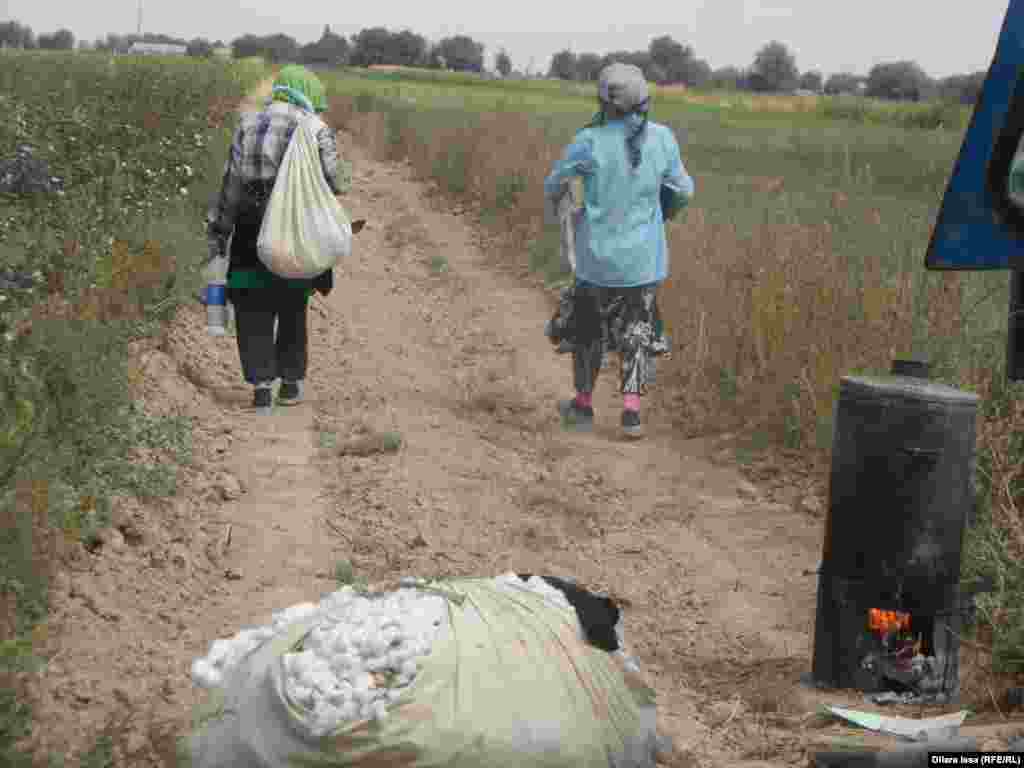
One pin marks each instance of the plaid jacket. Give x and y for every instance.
(256, 153)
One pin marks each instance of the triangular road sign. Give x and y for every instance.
(978, 226)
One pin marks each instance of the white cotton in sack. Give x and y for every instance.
(225, 653)
(362, 655)
(305, 229)
(365, 654)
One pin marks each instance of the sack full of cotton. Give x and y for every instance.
(464, 673)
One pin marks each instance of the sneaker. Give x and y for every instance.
(262, 399)
(290, 393)
(631, 425)
(576, 418)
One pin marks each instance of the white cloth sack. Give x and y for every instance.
(494, 692)
(569, 212)
(305, 229)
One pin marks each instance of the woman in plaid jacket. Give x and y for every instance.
(261, 298)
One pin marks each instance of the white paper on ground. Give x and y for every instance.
(907, 727)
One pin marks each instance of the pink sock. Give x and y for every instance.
(585, 399)
(631, 403)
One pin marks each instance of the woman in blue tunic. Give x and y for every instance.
(633, 180)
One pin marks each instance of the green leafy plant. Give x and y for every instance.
(438, 264)
(140, 145)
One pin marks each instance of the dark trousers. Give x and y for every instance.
(264, 357)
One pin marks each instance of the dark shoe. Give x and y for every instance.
(262, 399)
(631, 425)
(290, 393)
(576, 418)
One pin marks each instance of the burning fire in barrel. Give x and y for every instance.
(889, 602)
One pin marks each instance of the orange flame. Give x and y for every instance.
(888, 621)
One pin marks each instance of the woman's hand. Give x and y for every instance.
(324, 282)
(215, 249)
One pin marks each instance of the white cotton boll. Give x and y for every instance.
(353, 660)
(243, 638)
(358, 635)
(336, 698)
(306, 670)
(313, 642)
(339, 664)
(331, 641)
(395, 658)
(330, 719)
(322, 722)
(294, 613)
(378, 646)
(219, 651)
(421, 647)
(303, 695)
(263, 634)
(326, 688)
(361, 681)
(409, 668)
(204, 675)
(289, 664)
(345, 710)
(362, 696)
(321, 672)
(335, 605)
(380, 710)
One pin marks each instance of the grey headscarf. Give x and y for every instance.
(624, 87)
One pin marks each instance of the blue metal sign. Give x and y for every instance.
(979, 226)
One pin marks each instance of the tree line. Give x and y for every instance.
(773, 70)
(665, 61)
(369, 47)
(15, 35)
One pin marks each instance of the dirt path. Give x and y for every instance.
(421, 338)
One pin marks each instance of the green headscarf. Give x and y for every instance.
(297, 85)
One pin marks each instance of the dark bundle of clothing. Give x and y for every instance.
(598, 615)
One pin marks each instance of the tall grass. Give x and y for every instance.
(140, 144)
(801, 260)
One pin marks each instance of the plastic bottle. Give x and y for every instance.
(216, 297)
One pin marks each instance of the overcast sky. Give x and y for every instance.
(830, 36)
